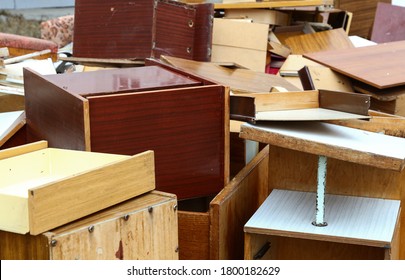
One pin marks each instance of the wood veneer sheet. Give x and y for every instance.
(380, 66)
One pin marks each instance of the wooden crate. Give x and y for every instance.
(144, 227)
(215, 230)
(43, 188)
(183, 119)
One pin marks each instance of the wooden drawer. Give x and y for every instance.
(183, 119)
(144, 227)
(42, 188)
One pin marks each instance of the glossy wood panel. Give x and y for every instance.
(379, 65)
(185, 128)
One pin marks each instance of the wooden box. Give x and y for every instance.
(141, 29)
(213, 228)
(144, 227)
(43, 188)
(183, 119)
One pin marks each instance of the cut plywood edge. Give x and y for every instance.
(10, 123)
(64, 185)
(351, 220)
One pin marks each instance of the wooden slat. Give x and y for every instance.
(332, 141)
(387, 23)
(10, 123)
(269, 4)
(60, 202)
(15, 151)
(384, 68)
(242, 80)
(234, 205)
(194, 237)
(334, 39)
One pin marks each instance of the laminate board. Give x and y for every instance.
(242, 80)
(388, 23)
(334, 39)
(334, 141)
(10, 123)
(379, 65)
(351, 220)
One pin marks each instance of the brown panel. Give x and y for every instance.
(344, 101)
(194, 235)
(184, 127)
(234, 205)
(379, 65)
(53, 114)
(15, 246)
(363, 15)
(334, 39)
(388, 24)
(183, 30)
(113, 29)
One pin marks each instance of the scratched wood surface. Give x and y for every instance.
(242, 80)
(334, 39)
(388, 22)
(333, 141)
(384, 68)
(126, 231)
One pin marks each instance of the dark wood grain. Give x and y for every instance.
(53, 114)
(380, 65)
(183, 30)
(113, 29)
(184, 127)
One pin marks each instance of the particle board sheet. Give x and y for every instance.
(379, 65)
(242, 80)
(351, 220)
(348, 144)
(388, 23)
(239, 4)
(363, 15)
(334, 39)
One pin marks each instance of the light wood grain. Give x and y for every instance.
(352, 220)
(334, 141)
(269, 4)
(383, 70)
(334, 39)
(23, 149)
(10, 123)
(239, 80)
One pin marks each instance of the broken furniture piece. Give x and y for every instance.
(362, 214)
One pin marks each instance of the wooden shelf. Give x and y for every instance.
(351, 220)
(271, 4)
(348, 144)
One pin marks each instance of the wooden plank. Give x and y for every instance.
(334, 141)
(24, 247)
(12, 152)
(383, 71)
(335, 39)
(52, 113)
(194, 236)
(387, 21)
(234, 205)
(270, 4)
(50, 207)
(345, 225)
(239, 80)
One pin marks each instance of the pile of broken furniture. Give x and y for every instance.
(252, 130)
